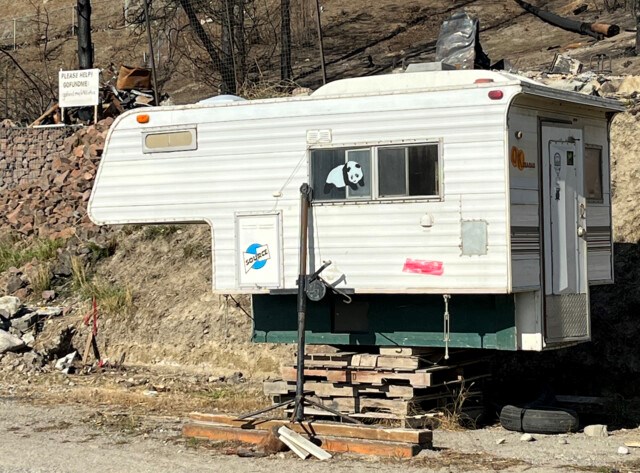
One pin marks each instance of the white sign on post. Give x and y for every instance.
(78, 88)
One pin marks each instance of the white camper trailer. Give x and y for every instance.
(481, 185)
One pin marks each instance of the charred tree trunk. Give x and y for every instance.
(221, 64)
(286, 72)
(226, 36)
(85, 47)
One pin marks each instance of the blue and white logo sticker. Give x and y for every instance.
(256, 257)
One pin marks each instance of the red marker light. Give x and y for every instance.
(495, 94)
(483, 81)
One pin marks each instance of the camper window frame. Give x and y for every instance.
(594, 200)
(375, 197)
(192, 129)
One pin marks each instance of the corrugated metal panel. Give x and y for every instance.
(249, 153)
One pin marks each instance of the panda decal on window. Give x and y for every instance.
(348, 174)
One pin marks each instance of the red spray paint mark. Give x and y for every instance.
(419, 266)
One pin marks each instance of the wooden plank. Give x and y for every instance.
(417, 378)
(294, 448)
(221, 432)
(417, 436)
(334, 376)
(303, 443)
(370, 447)
(322, 389)
(271, 388)
(360, 405)
(398, 362)
(385, 362)
(407, 351)
(326, 363)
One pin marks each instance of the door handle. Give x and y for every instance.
(582, 232)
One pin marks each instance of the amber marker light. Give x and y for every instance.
(142, 118)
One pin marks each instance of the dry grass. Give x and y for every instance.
(105, 392)
(452, 416)
(111, 298)
(15, 252)
(40, 278)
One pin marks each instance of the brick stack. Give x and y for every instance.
(47, 175)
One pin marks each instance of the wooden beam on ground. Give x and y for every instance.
(221, 432)
(370, 447)
(210, 431)
(414, 436)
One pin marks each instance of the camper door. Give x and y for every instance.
(566, 304)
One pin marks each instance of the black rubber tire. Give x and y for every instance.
(539, 420)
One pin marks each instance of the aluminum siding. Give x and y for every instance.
(247, 152)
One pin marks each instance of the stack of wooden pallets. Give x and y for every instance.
(394, 383)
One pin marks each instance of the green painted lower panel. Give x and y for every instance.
(476, 321)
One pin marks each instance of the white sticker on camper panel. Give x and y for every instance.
(258, 250)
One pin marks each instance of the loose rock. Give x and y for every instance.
(9, 342)
(14, 283)
(26, 322)
(9, 306)
(596, 430)
(623, 451)
(527, 438)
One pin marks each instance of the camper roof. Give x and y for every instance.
(456, 79)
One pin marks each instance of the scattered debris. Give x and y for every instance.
(597, 30)
(623, 450)
(563, 441)
(65, 363)
(563, 64)
(132, 89)
(527, 438)
(596, 430)
(500, 441)
(458, 43)
(580, 9)
(303, 444)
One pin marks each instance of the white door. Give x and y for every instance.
(565, 233)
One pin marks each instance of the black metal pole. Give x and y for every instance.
(153, 60)
(320, 42)
(302, 300)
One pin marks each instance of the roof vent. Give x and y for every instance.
(429, 67)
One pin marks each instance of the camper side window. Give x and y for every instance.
(340, 174)
(399, 171)
(593, 174)
(175, 140)
(408, 171)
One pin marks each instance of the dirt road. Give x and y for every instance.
(79, 438)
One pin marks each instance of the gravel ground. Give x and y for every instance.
(78, 438)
